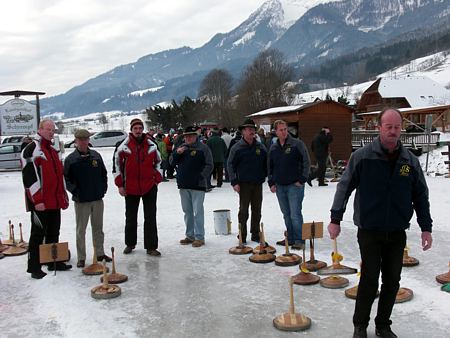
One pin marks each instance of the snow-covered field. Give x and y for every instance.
(206, 292)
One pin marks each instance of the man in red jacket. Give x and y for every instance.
(137, 161)
(46, 195)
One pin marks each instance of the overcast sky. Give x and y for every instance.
(54, 45)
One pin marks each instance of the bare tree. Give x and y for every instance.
(263, 82)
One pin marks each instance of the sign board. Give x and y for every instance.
(18, 117)
(312, 230)
(56, 252)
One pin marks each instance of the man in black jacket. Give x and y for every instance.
(247, 168)
(390, 186)
(194, 164)
(320, 148)
(86, 179)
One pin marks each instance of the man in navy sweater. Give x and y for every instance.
(288, 171)
(390, 186)
(247, 169)
(194, 164)
(86, 179)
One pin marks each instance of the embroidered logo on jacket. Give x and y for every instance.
(193, 152)
(258, 151)
(288, 150)
(404, 170)
(94, 163)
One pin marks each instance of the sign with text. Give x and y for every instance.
(18, 117)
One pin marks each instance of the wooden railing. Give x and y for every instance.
(409, 140)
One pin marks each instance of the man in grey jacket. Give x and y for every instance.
(390, 186)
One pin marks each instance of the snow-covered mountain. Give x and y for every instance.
(306, 31)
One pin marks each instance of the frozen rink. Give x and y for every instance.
(206, 292)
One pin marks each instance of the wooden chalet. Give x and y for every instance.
(306, 121)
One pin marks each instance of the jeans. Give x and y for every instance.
(131, 213)
(194, 216)
(290, 199)
(380, 250)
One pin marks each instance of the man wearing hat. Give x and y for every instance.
(193, 161)
(138, 175)
(87, 181)
(247, 168)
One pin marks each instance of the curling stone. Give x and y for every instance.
(114, 277)
(22, 243)
(445, 277)
(241, 249)
(334, 282)
(262, 256)
(263, 244)
(105, 290)
(305, 277)
(9, 241)
(336, 268)
(95, 268)
(287, 259)
(404, 295)
(446, 287)
(353, 291)
(291, 321)
(14, 249)
(2, 246)
(409, 261)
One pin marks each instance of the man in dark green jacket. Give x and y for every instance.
(218, 150)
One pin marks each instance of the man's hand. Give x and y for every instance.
(273, 188)
(334, 230)
(40, 207)
(237, 188)
(298, 184)
(122, 191)
(426, 240)
(181, 150)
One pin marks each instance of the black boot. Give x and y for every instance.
(38, 275)
(385, 332)
(360, 331)
(60, 266)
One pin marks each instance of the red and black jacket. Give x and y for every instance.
(138, 165)
(43, 176)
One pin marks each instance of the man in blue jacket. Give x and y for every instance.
(194, 164)
(247, 169)
(288, 171)
(390, 186)
(86, 179)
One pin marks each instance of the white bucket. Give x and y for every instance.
(222, 222)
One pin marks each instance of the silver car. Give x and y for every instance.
(107, 138)
(10, 156)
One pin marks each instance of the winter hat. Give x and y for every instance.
(248, 123)
(191, 130)
(135, 122)
(82, 133)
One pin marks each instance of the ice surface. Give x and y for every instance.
(206, 292)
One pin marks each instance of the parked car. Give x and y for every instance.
(107, 138)
(10, 156)
(14, 139)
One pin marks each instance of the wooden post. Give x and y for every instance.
(447, 162)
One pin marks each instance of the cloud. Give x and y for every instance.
(52, 46)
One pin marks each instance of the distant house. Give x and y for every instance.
(403, 92)
(307, 119)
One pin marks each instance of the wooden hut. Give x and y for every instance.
(306, 121)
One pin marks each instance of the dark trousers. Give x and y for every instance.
(218, 173)
(321, 168)
(383, 251)
(44, 224)
(131, 213)
(250, 194)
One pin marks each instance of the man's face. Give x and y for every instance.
(282, 131)
(390, 128)
(47, 130)
(190, 139)
(82, 144)
(137, 130)
(248, 133)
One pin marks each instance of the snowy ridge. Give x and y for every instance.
(144, 91)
